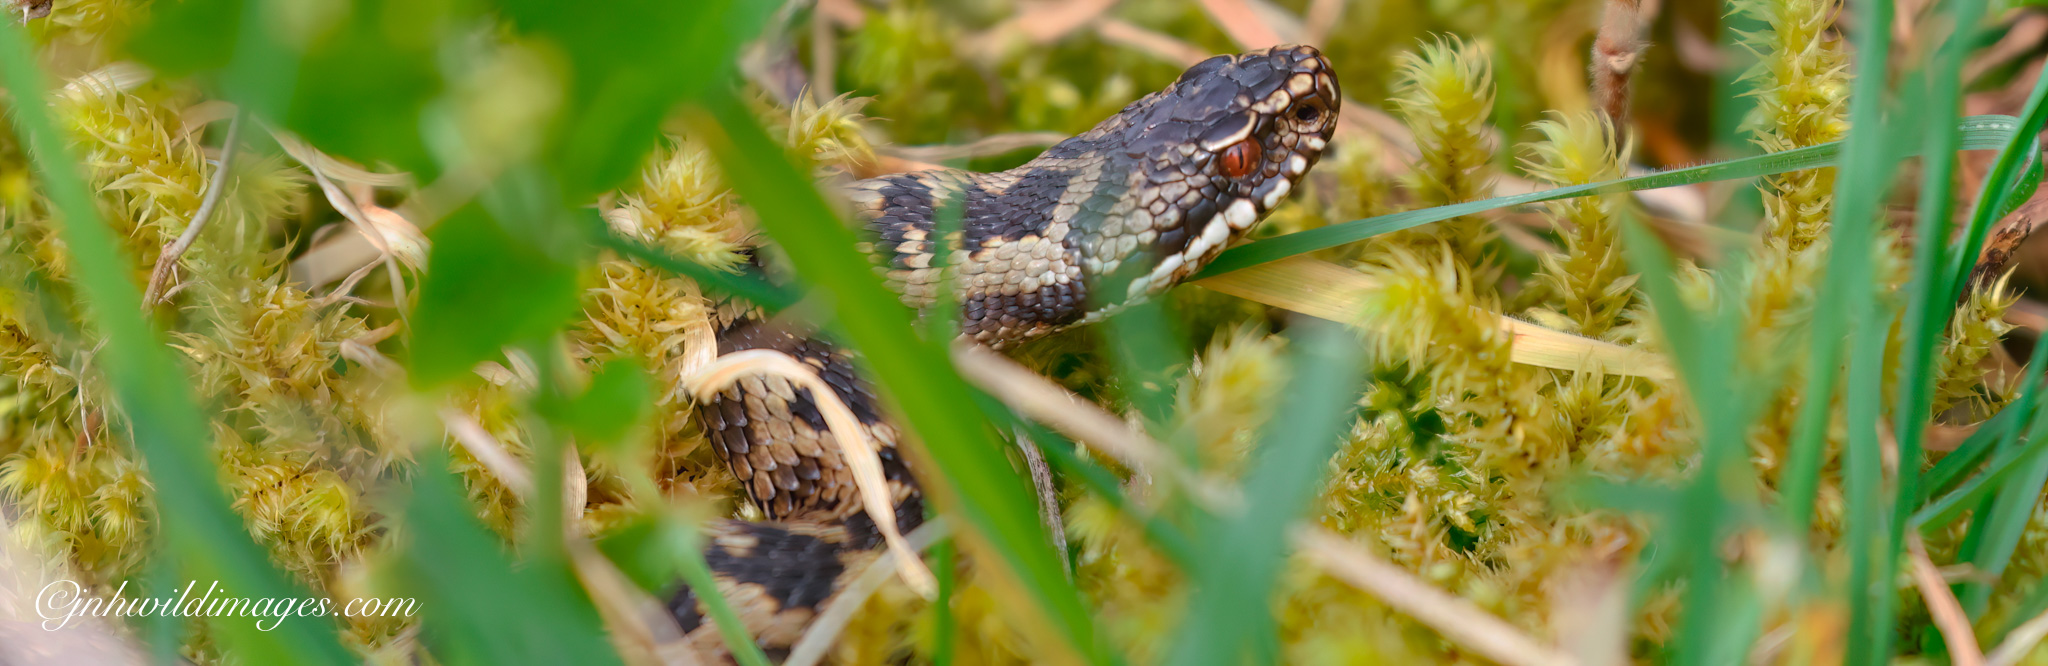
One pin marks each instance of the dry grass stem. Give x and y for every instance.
(860, 455)
(1453, 617)
(168, 259)
(1325, 290)
(2019, 642)
(487, 451)
(824, 631)
(1047, 22)
(1238, 19)
(641, 626)
(1049, 403)
(1949, 617)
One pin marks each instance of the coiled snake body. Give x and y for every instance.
(1120, 213)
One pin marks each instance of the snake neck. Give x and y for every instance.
(1022, 253)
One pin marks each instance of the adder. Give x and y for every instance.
(1120, 213)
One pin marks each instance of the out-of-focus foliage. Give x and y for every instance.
(336, 376)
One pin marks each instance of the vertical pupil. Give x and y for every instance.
(1240, 158)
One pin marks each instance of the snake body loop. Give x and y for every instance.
(1120, 213)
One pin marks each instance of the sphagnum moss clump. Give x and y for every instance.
(1588, 285)
(1446, 95)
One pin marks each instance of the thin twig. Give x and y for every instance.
(1048, 498)
(2004, 241)
(1048, 403)
(1949, 618)
(214, 188)
(1454, 618)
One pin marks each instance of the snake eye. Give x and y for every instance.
(1240, 159)
(1307, 114)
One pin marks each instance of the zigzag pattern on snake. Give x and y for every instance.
(1120, 213)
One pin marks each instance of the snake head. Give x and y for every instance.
(1212, 154)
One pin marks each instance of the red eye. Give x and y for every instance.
(1241, 158)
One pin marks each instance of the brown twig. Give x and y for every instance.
(1048, 497)
(2028, 30)
(168, 259)
(1616, 50)
(33, 9)
(1949, 617)
(2004, 240)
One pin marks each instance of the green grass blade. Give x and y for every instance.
(1704, 347)
(743, 284)
(1978, 133)
(1969, 454)
(205, 536)
(1995, 433)
(1928, 297)
(1845, 293)
(476, 605)
(1945, 509)
(1997, 526)
(1234, 576)
(973, 472)
(1864, 533)
(2008, 185)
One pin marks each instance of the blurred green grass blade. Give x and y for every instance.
(476, 607)
(205, 536)
(489, 288)
(697, 573)
(1235, 573)
(1945, 509)
(629, 64)
(943, 622)
(1928, 296)
(973, 469)
(617, 400)
(743, 284)
(1995, 433)
(1845, 295)
(1704, 348)
(1973, 449)
(1997, 526)
(2007, 185)
(1864, 533)
(1978, 133)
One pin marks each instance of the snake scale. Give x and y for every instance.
(1117, 214)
